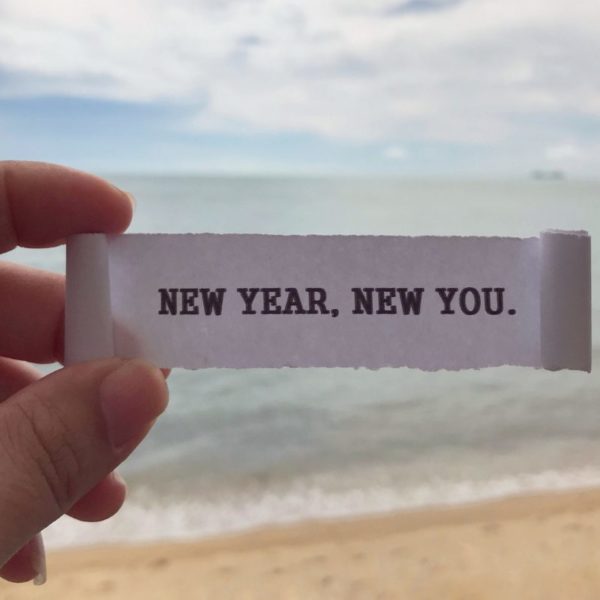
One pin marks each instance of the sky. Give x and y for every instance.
(400, 87)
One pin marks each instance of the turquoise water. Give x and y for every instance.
(240, 449)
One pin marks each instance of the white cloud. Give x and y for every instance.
(476, 71)
(580, 158)
(563, 152)
(395, 152)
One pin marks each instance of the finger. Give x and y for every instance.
(31, 313)
(30, 560)
(42, 204)
(28, 563)
(60, 436)
(102, 501)
(15, 375)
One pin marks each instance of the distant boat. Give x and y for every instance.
(548, 175)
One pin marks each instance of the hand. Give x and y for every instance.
(61, 436)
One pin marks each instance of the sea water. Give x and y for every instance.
(239, 449)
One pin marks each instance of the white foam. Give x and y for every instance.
(145, 518)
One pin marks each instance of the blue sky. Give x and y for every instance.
(407, 87)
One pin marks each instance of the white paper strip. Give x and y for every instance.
(208, 300)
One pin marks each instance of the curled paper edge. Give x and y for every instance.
(565, 302)
(88, 310)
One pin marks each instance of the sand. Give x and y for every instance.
(535, 547)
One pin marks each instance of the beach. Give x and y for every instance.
(320, 193)
(536, 546)
(255, 482)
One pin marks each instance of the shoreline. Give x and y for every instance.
(535, 545)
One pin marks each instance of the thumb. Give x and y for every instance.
(63, 434)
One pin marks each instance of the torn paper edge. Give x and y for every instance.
(88, 309)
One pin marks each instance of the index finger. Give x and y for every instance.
(42, 204)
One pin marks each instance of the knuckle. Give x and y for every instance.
(45, 447)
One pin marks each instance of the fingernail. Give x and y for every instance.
(131, 397)
(131, 198)
(118, 478)
(38, 560)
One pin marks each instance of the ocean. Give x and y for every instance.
(240, 449)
